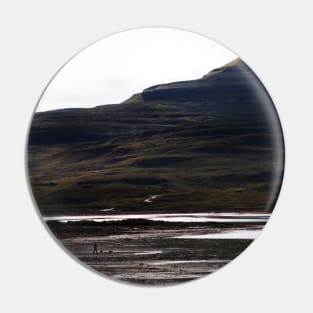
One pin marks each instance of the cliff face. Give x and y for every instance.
(209, 144)
(233, 88)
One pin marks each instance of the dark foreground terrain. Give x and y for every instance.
(154, 252)
(202, 146)
(180, 260)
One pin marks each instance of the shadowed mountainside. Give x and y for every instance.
(209, 144)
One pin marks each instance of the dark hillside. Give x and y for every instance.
(203, 145)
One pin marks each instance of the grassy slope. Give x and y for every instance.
(216, 152)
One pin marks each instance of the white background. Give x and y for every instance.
(274, 38)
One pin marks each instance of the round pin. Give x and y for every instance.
(155, 156)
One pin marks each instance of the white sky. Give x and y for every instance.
(116, 67)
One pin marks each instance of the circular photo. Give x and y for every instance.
(155, 156)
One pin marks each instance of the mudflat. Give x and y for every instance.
(155, 252)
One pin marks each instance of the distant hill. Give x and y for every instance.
(209, 144)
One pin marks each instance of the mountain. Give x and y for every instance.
(204, 145)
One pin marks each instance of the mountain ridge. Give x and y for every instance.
(209, 144)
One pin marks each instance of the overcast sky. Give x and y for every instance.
(116, 67)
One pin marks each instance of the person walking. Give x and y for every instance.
(95, 248)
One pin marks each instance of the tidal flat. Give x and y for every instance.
(153, 250)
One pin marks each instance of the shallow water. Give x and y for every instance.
(175, 217)
(159, 253)
(147, 252)
(188, 262)
(233, 234)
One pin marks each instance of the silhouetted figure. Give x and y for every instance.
(95, 248)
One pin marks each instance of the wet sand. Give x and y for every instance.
(155, 252)
(134, 260)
